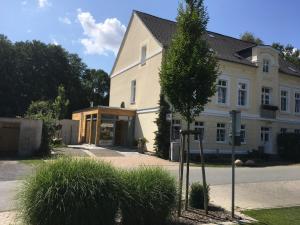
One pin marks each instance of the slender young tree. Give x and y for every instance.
(189, 69)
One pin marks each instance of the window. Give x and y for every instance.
(297, 131)
(283, 130)
(133, 92)
(242, 94)
(221, 132)
(266, 66)
(243, 134)
(284, 100)
(176, 126)
(222, 91)
(199, 126)
(265, 134)
(143, 54)
(297, 102)
(266, 96)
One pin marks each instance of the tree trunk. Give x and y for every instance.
(182, 144)
(187, 185)
(203, 176)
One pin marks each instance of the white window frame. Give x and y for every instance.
(199, 125)
(287, 90)
(263, 131)
(217, 132)
(143, 54)
(263, 98)
(266, 66)
(247, 83)
(175, 123)
(227, 99)
(283, 130)
(296, 92)
(243, 129)
(133, 92)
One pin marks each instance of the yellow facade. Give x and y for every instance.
(128, 67)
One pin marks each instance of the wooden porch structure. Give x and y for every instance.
(91, 119)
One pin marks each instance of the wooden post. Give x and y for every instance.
(91, 128)
(98, 124)
(182, 145)
(203, 176)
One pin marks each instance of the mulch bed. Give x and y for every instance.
(197, 216)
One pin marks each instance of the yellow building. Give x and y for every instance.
(253, 79)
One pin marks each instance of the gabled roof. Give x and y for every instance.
(226, 48)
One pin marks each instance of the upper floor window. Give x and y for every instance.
(222, 91)
(133, 91)
(266, 64)
(284, 100)
(221, 132)
(143, 54)
(176, 126)
(243, 134)
(199, 126)
(266, 96)
(297, 102)
(242, 94)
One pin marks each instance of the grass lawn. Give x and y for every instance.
(280, 216)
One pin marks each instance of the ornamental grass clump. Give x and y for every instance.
(71, 192)
(197, 196)
(149, 196)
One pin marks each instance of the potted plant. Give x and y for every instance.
(142, 145)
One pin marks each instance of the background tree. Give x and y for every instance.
(162, 135)
(288, 52)
(189, 69)
(96, 84)
(61, 104)
(248, 36)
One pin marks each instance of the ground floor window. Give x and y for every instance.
(221, 132)
(297, 131)
(199, 126)
(283, 130)
(176, 127)
(243, 134)
(265, 134)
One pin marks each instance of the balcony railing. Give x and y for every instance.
(268, 111)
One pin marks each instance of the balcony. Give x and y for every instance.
(268, 111)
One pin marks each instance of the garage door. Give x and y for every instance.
(9, 138)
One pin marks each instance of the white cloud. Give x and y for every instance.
(43, 3)
(54, 41)
(65, 20)
(29, 31)
(24, 2)
(101, 37)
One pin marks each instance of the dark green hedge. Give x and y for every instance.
(289, 146)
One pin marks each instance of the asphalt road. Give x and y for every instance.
(256, 187)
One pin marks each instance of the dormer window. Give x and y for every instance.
(143, 54)
(266, 64)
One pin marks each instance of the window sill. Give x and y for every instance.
(221, 142)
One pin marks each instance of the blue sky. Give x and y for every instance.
(94, 28)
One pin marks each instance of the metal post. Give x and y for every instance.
(182, 145)
(187, 169)
(233, 181)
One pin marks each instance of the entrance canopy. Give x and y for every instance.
(105, 125)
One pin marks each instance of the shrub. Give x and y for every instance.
(149, 196)
(71, 192)
(197, 196)
(288, 146)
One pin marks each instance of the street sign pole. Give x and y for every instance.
(235, 141)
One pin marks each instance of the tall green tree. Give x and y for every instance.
(96, 84)
(288, 52)
(248, 36)
(61, 104)
(189, 69)
(162, 135)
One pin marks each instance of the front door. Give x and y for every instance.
(121, 132)
(266, 139)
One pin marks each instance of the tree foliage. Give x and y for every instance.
(162, 135)
(33, 71)
(189, 69)
(288, 52)
(248, 36)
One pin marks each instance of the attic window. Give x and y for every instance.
(292, 69)
(143, 54)
(266, 64)
(211, 35)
